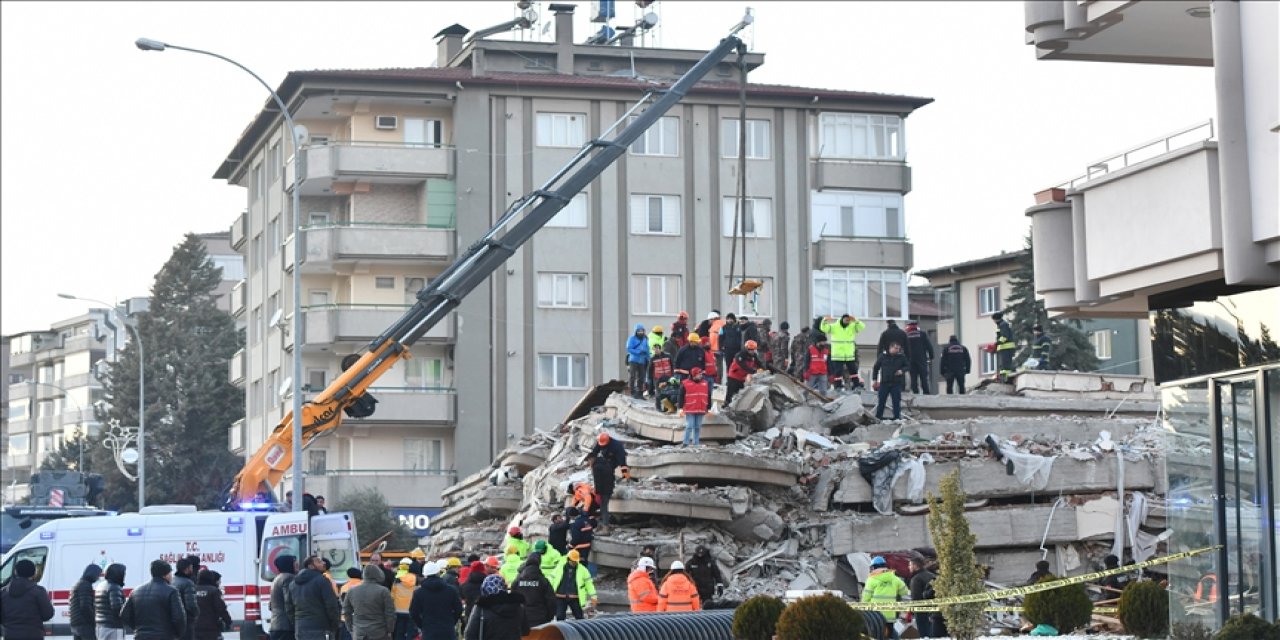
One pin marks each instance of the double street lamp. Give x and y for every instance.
(132, 326)
(147, 44)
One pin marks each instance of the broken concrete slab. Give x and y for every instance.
(621, 553)
(683, 504)
(485, 503)
(829, 479)
(524, 459)
(986, 478)
(1004, 527)
(757, 525)
(801, 416)
(1051, 428)
(715, 466)
(1086, 384)
(648, 422)
(846, 414)
(952, 407)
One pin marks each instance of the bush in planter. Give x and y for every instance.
(1066, 608)
(1144, 609)
(1248, 627)
(824, 617)
(757, 618)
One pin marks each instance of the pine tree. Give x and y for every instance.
(1072, 349)
(67, 455)
(958, 572)
(190, 404)
(373, 519)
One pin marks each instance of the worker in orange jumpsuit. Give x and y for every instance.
(640, 590)
(677, 592)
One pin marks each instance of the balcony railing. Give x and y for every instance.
(240, 230)
(335, 243)
(1146, 151)
(861, 251)
(846, 173)
(351, 159)
(237, 367)
(238, 301)
(415, 404)
(326, 324)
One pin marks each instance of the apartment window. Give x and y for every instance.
(562, 290)
(255, 326)
(655, 215)
(273, 164)
(15, 378)
(849, 214)
(275, 235)
(662, 139)
(232, 266)
(573, 215)
(17, 411)
(384, 282)
(317, 379)
(757, 217)
(421, 132)
(318, 218)
(1101, 343)
(317, 461)
(988, 300)
(318, 297)
(562, 371)
(859, 135)
(758, 138)
(273, 305)
(20, 444)
(423, 454)
(655, 295)
(864, 293)
(424, 373)
(44, 374)
(758, 304)
(561, 129)
(412, 285)
(988, 361)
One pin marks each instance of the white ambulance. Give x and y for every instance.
(242, 546)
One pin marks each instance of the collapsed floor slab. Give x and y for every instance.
(715, 466)
(1050, 428)
(487, 502)
(642, 418)
(947, 407)
(680, 504)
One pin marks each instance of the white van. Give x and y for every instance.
(242, 546)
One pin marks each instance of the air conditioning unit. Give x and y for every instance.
(385, 122)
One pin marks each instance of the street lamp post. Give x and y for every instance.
(132, 326)
(80, 430)
(147, 44)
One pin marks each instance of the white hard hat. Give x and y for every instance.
(676, 566)
(644, 563)
(405, 561)
(432, 569)
(713, 315)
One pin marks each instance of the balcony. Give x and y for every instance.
(235, 436)
(876, 253)
(405, 487)
(72, 417)
(871, 175)
(436, 405)
(324, 325)
(237, 368)
(350, 161)
(20, 463)
(240, 230)
(347, 244)
(238, 298)
(1141, 32)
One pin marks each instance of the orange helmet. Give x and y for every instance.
(751, 345)
(603, 438)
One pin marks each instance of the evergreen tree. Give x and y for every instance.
(958, 572)
(373, 519)
(1072, 349)
(190, 404)
(67, 455)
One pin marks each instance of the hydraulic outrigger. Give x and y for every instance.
(348, 393)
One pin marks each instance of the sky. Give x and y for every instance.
(108, 151)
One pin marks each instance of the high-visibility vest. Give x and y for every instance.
(641, 592)
(1209, 595)
(817, 361)
(697, 396)
(710, 368)
(841, 337)
(715, 333)
(661, 368)
(678, 594)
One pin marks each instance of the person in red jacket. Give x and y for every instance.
(695, 400)
(815, 370)
(679, 335)
(745, 364)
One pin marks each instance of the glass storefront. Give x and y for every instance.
(1222, 446)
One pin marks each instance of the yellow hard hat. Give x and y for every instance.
(657, 328)
(573, 555)
(417, 554)
(453, 562)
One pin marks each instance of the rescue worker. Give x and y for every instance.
(730, 341)
(780, 347)
(920, 356)
(402, 593)
(844, 349)
(891, 333)
(281, 598)
(213, 617)
(558, 531)
(745, 365)
(498, 615)
(604, 459)
(1115, 582)
(690, 356)
(765, 342)
(713, 335)
(657, 339)
(889, 375)
(815, 364)
(1040, 346)
(694, 402)
(883, 585)
(515, 538)
(582, 535)
(368, 608)
(637, 361)
(585, 499)
(573, 585)
(1004, 346)
(80, 605)
(955, 364)
(710, 367)
(679, 335)
(640, 590)
(108, 600)
(549, 555)
(677, 592)
(452, 572)
(667, 397)
(660, 368)
(799, 349)
(539, 596)
(436, 607)
(705, 573)
(316, 612)
(511, 565)
(154, 611)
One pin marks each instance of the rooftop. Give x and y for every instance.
(973, 265)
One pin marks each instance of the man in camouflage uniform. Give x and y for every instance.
(799, 349)
(780, 346)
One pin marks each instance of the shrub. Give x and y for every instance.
(1144, 609)
(1189, 630)
(757, 618)
(1066, 608)
(824, 617)
(958, 572)
(1248, 627)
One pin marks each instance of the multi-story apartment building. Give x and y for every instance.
(1186, 230)
(6, 472)
(976, 289)
(405, 166)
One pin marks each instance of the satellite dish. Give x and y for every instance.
(300, 133)
(286, 387)
(129, 456)
(650, 20)
(277, 317)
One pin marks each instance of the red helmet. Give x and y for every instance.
(751, 345)
(696, 371)
(603, 438)
(513, 531)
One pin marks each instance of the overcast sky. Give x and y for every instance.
(108, 150)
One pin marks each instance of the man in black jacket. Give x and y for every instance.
(539, 596)
(704, 571)
(558, 532)
(184, 582)
(730, 339)
(955, 364)
(81, 604)
(889, 375)
(891, 334)
(25, 604)
(154, 610)
(281, 599)
(316, 612)
(107, 603)
(921, 587)
(920, 356)
(435, 608)
(607, 456)
(498, 612)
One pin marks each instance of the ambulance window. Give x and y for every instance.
(34, 554)
(340, 557)
(280, 546)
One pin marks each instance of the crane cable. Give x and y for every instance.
(745, 286)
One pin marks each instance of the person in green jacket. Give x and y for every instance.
(569, 598)
(884, 586)
(511, 565)
(550, 557)
(515, 538)
(843, 371)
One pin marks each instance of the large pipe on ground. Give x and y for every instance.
(694, 625)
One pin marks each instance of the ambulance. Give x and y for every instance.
(242, 546)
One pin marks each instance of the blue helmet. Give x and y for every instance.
(879, 561)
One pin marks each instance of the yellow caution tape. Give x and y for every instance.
(1099, 610)
(1012, 592)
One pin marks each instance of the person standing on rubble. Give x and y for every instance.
(955, 364)
(745, 365)
(678, 592)
(815, 363)
(1004, 346)
(799, 349)
(710, 332)
(604, 459)
(657, 339)
(637, 361)
(891, 333)
(641, 591)
(883, 585)
(780, 347)
(660, 368)
(1040, 346)
(920, 355)
(844, 348)
(730, 341)
(888, 375)
(573, 585)
(689, 356)
(679, 335)
(586, 500)
(581, 536)
(765, 340)
(694, 402)
(705, 573)
(558, 532)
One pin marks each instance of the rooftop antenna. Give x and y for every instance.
(527, 18)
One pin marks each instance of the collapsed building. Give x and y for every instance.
(792, 491)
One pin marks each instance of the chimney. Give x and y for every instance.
(564, 37)
(449, 43)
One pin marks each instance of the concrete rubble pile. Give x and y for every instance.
(791, 492)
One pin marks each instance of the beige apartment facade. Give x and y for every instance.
(406, 167)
